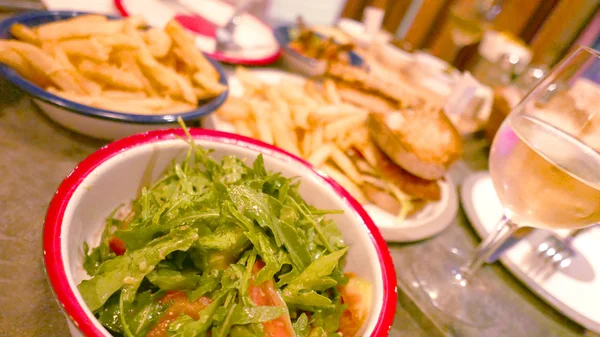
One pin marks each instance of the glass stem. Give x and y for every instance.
(503, 230)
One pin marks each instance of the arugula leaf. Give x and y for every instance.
(259, 166)
(224, 238)
(241, 331)
(303, 289)
(171, 279)
(185, 326)
(252, 314)
(317, 273)
(207, 283)
(127, 271)
(317, 332)
(144, 312)
(108, 315)
(262, 208)
(94, 258)
(301, 326)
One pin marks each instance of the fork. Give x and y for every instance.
(553, 254)
(224, 34)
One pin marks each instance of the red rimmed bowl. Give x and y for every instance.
(114, 175)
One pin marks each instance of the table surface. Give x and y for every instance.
(36, 154)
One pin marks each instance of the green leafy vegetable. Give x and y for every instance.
(203, 228)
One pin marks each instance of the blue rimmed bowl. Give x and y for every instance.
(85, 119)
(304, 65)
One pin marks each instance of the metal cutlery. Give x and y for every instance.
(224, 34)
(554, 253)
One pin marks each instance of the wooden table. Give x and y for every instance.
(36, 154)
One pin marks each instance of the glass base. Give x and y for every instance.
(468, 301)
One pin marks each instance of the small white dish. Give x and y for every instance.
(574, 291)
(394, 57)
(301, 64)
(356, 30)
(434, 218)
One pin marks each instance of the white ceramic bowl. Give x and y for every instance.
(114, 174)
(85, 119)
(301, 64)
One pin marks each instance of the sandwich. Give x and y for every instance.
(411, 143)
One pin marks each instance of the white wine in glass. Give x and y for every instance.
(545, 167)
(545, 177)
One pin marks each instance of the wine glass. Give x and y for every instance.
(545, 167)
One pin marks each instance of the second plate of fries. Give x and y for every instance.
(313, 122)
(108, 76)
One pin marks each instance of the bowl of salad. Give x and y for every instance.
(204, 233)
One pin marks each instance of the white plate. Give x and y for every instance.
(258, 45)
(575, 292)
(434, 218)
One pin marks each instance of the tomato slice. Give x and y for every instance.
(117, 245)
(266, 294)
(180, 305)
(356, 294)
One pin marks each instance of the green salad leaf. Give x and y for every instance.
(215, 233)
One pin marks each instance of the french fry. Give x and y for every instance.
(346, 165)
(208, 83)
(159, 74)
(243, 128)
(306, 143)
(185, 42)
(178, 107)
(88, 85)
(300, 115)
(331, 92)
(346, 183)
(78, 28)
(120, 94)
(44, 64)
(119, 41)
(343, 126)
(24, 34)
(187, 91)
(158, 42)
(262, 122)
(283, 109)
(317, 138)
(234, 109)
(127, 61)
(249, 81)
(311, 89)
(282, 137)
(320, 155)
(86, 48)
(110, 75)
(14, 60)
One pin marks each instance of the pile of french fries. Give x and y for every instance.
(119, 65)
(309, 120)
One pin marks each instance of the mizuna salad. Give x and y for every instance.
(218, 248)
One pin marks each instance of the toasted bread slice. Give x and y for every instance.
(422, 141)
(394, 91)
(365, 100)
